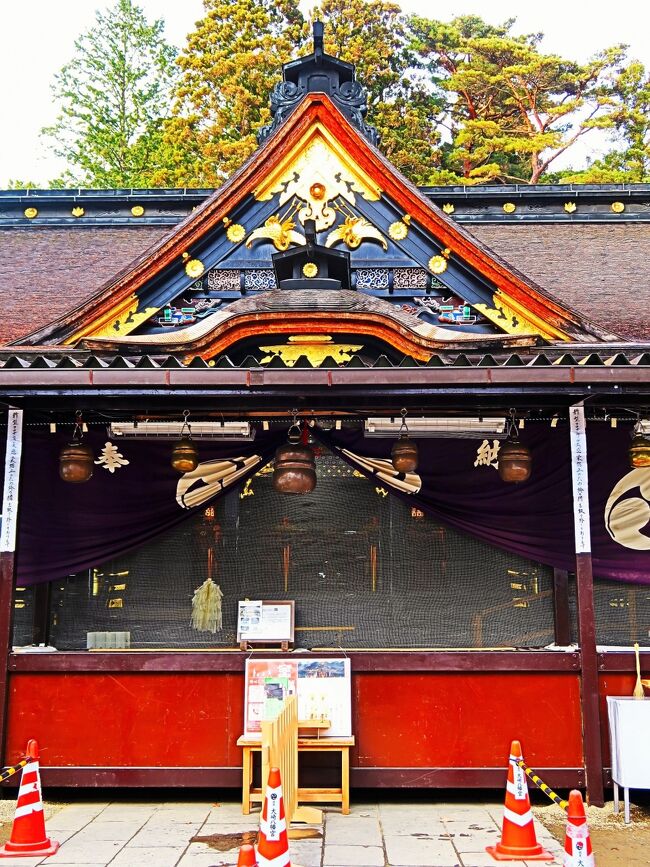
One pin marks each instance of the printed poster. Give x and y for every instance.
(323, 688)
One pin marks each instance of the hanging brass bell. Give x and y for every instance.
(294, 469)
(515, 462)
(76, 462)
(639, 451)
(185, 455)
(404, 455)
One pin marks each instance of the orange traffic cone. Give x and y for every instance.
(247, 856)
(518, 840)
(273, 842)
(577, 843)
(28, 832)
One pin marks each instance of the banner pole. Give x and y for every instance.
(592, 749)
(8, 534)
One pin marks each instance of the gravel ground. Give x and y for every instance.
(615, 844)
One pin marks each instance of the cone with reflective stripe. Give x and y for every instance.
(247, 856)
(518, 840)
(28, 835)
(577, 843)
(272, 841)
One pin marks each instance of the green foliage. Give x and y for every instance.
(373, 35)
(510, 109)
(113, 96)
(230, 63)
(459, 102)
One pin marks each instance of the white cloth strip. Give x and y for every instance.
(516, 819)
(280, 826)
(279, 861)
(28, 809)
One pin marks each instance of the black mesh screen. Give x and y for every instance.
(23, 616)
(365, 570)
(622, 613)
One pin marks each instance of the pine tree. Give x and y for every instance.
(511, 110)
(373, 35)
(113, 95)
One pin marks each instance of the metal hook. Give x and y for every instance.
(186, 430)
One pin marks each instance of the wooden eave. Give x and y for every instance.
(209, 215)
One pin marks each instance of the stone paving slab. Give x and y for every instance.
(416, 834)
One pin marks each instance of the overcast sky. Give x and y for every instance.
(38, 38)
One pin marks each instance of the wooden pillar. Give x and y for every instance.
(8, 534)
(586, 619)
(561, 613)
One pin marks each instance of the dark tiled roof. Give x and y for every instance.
(44, 272)
(594, 260)
(602, 270)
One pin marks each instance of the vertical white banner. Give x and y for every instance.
(580, 479)
(13, 453)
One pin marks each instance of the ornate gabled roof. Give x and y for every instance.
(419, 281)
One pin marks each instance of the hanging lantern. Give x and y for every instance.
(639, 451)
(294, 468)
(76, 459)
(515, 461)
(185, 455)
(404, 454)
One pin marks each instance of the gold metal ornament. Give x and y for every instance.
(354, 230)
(570, 207)
(448, 208)
(137, 211)
(317, 191)
(438, 264)
(30, 213)
(509, 207)
(282, 234)
(78, 212)
(235, 233)
(398, 230)
(617, 207)
(310, 269)
(194, 268)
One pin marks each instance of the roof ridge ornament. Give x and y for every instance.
(319, 73)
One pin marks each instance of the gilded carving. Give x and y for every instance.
(316, 172)
(280, 232)
(515, 320)
(317, 347)
(352, 231)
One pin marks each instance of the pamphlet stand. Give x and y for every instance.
(266, 623)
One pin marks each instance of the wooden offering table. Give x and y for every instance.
(339, 795)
